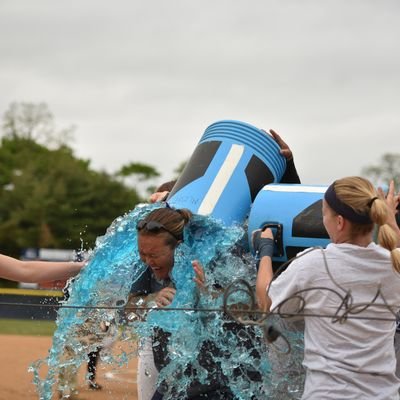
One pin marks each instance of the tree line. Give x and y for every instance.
(49, 197)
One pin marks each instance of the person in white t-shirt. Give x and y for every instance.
(348, 294)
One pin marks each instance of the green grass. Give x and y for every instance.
(26, 327)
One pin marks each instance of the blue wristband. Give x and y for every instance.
(264, 247)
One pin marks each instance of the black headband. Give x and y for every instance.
(343, 209)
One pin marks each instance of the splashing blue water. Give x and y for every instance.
(105, 281)
(201, 345)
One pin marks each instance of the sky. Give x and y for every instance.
(142, 80)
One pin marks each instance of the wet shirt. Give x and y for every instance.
(147, 284)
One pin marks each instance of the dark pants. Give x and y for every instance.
(217, 386)
(92, 364)
(213, 395)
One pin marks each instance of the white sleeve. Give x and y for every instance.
(284, 290)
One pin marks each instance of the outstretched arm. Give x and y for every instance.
(37, 271)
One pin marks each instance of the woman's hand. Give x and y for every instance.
(285, 149)
(199, 277)
(164, 297)
(392, 201)
(158, 196)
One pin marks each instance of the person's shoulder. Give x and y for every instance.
(306, 264)
(378, 249)
(309, 256)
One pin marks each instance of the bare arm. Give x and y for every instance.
(37, 271)
(265, 272)
(264, 278)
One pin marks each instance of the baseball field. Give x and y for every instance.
(23, 342)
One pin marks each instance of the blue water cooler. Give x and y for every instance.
(294, 213)
(231, 164)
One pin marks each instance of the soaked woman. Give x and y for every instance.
(159, 235)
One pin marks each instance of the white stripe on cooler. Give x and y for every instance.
(221, 179)
(295, 188)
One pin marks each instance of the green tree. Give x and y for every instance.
(139, 174)
(388, 169)
(52, 199)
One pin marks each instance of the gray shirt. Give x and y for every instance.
(354, 359)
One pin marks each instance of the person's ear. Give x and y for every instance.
(341, 222)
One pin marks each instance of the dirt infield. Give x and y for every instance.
(18, 352)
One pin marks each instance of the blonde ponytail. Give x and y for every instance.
(359, 194)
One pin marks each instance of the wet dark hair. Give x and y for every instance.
(167, 221)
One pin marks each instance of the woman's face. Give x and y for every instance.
(156, 254)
